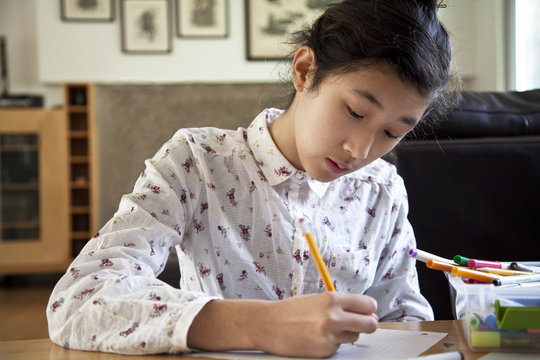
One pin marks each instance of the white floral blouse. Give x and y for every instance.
(229, 202)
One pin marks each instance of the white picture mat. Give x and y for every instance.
(265, 45)
(72, 10)
(135, 39)
(186, 26)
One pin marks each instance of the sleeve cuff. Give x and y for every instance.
(179, 338)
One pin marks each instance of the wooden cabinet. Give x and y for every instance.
(82, 170)
(34, 203)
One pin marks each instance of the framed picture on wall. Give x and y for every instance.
(146, 26)
(201, 18)
(270, 22)
(89, 10)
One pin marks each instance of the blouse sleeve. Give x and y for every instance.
(396, 280)
(110, 299)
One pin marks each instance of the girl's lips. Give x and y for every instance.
(335, 167)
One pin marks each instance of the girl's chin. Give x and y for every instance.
(323, 176)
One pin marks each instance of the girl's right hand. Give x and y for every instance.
(315, 325)
(303, 326)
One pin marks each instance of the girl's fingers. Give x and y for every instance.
(358, 323)
(357, 313)
(347, 337)
(360, 304)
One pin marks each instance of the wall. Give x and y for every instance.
(479, 40)
(91, 52)
(18, 24)
(45, 51)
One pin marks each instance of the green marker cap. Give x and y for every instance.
(461, 260)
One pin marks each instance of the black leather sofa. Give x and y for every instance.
(474, 185)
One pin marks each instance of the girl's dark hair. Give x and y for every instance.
(404, 33)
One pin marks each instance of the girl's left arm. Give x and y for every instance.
(395, 286)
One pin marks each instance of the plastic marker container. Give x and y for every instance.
(498, 318)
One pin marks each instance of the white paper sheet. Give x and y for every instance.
(383, 344)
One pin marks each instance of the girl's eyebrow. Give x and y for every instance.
(373, 99)
(369, 97)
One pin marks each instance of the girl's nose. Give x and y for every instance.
(359, 146)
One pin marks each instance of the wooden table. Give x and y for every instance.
(44, 349)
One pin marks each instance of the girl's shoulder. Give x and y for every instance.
(211, 140)
(379, 171)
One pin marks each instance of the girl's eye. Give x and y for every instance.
(390, 135)
(353, 114)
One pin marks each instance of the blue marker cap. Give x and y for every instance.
(491, 322)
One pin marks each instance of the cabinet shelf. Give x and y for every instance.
(80, 185)
(80, 209)
(20, 224)
(79, 159)
(77, 109)
(78, 134)
(20, 186)
(80, 235)
(25, 148)
(79, 98)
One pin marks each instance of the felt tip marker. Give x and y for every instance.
(518, 279)
(473, 274)
(424, 256)
(439, 265)
(524, 267)
(474, 263)
(461, 260)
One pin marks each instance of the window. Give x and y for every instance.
(525, 39)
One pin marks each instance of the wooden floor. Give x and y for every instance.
(23, 302)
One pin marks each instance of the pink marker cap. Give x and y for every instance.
(473, 263)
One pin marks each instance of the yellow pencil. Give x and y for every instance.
(318, 258)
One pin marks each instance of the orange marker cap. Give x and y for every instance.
(439, 265)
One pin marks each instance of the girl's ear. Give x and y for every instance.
(303, 62)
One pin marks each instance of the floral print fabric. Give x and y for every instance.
(230, 202)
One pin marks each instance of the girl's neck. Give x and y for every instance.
(282, 131)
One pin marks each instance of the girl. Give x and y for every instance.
(364, 75)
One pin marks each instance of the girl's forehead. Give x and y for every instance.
(372, 77)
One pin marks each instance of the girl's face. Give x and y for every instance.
(351, 120)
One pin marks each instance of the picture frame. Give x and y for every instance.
(87, 11)
(268, 24)
(202, 18)
(146, 26)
